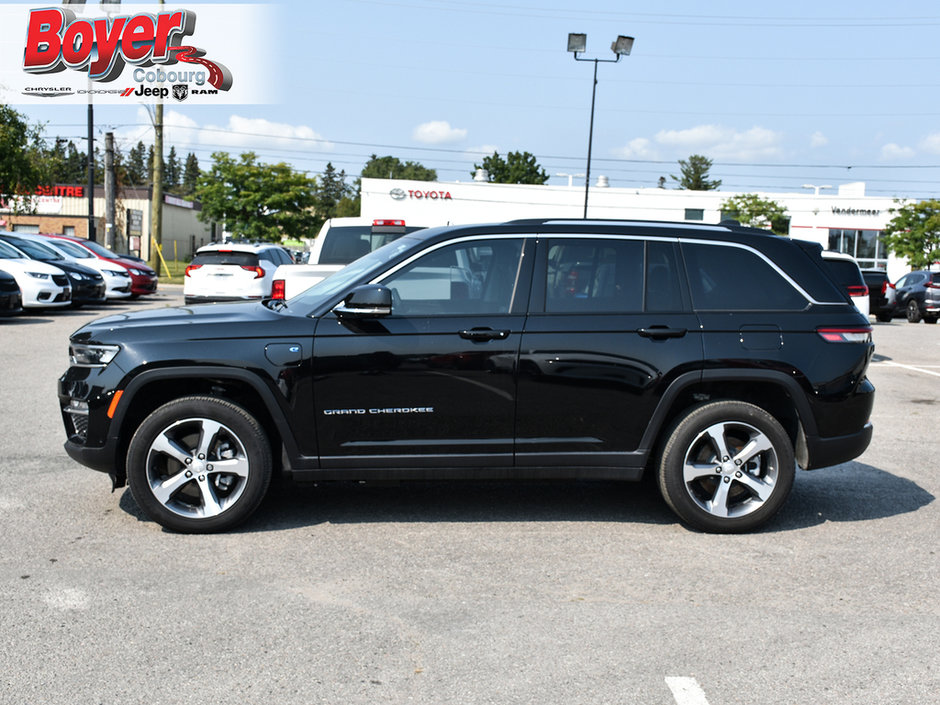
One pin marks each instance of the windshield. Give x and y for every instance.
(71, 249)
(319, 293)
(35, 250)
(100, 250)
(7, 252)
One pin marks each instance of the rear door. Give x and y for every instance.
(610, 327)
(434, 384)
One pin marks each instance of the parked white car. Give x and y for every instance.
(339, 242)
(844, 269)
(41, 284)
(117, 280)
(232, 272)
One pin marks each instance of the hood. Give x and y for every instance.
(198, 322)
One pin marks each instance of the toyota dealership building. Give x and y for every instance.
(842, 219)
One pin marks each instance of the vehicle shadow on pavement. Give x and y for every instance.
(851, 492)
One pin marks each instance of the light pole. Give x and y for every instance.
(577, 43)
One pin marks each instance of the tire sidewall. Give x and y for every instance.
(678, 441)
(240, 422)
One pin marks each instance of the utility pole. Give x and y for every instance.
(109, 191)
(91, 168)
(156, 197)
(156, 200)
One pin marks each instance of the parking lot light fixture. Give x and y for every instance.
(577, 43)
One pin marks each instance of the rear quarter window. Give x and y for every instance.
(725, 278)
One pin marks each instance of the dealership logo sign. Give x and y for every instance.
(56, 41)
(400, 195)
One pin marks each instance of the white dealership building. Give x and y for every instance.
(842, 218)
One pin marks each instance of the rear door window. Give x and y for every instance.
(611, 276)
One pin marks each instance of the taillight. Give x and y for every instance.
(858, 290)
(191, 268)
(278, 289)
(257, 270)
(932, 285)
(845, 335)
(386, 222)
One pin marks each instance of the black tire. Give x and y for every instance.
(930, 319)
(884, 317)
(913, 312)
(726, 467)
(191, 481)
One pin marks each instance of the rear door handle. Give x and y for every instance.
(662, 332)
(481, 335)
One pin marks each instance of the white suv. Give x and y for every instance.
(232, 272)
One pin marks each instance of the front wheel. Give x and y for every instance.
(913, 312)
(726, 467)
(199, 465)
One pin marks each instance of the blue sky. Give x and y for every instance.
(777, 95)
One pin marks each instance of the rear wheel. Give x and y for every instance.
(726, 467)
(913, 312)
(930, 319)
(199, 465)
(884, 316)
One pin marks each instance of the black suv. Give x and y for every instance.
(714, 357)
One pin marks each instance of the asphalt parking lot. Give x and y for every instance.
(470, 593)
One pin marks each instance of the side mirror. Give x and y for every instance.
(370, 301)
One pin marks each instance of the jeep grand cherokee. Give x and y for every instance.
(716, 358)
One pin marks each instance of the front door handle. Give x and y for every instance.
(481, 335)
(662, 332)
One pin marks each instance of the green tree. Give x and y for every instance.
(190, 175)
(331, 190)
(172, 171)
(137, 168)
(914, 232)
(752, 210)
(255, 200)
(695, 174)
(393, 168)
(516, 168)
(25, 161)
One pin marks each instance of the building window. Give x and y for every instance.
(68, 230)
(695, 214)
(20, 228)
(864, 245)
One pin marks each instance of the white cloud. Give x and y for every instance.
(638, 148)
(484, 150)
(818, 139)
(240, 134)
(931, 143)
(719, 142)
(438, 132)
(893, 152)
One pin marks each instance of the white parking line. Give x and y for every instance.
(686, 691)
(907, 367)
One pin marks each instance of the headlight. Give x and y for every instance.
(137, 272)
(76, 276)
(92, 355)
(39, 275)
(117, 273)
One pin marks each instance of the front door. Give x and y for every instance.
(434, 383)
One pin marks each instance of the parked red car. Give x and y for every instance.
(143, 278)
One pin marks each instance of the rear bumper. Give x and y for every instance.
(218, 299)
(823, 452)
